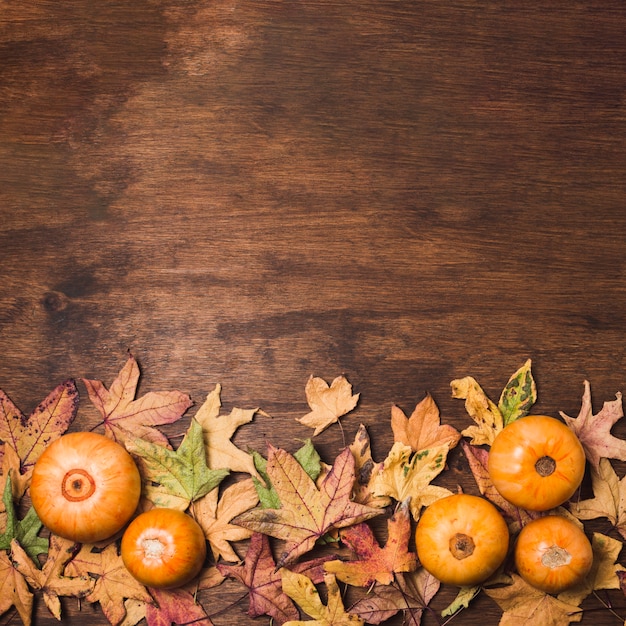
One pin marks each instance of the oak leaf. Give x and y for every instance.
(518, 395)
(594, 431)
(405, 474)
(376, 564)
(301, 590)
(609, 497)
(214, 511)
(175, 478)
(489, 420)
(307, 512)
(51, 579)
(113, 582)
(175, 606)
(125, 417)
(264, 582)
(218, 430)
(327, 403)
(410, 593)
(29, 436)
(522, 604)
(423, 429)
(365, 471)
(14, 590)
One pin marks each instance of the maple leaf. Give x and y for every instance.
(175, 606)
(410, 593)
(25, 531)
(175, 478)
(594, 431)
(523, 604)
(264, 581)
(327, 403)
(609, 497)
(407, 474)
(50, 578)
(376, 564)
(14, 590)
(308, 458)
(30, 436)
(221, 451)
(307, 512)
(113, 582)
(518, 395)
(365, 470)
(423, 429)
(489, 420)
(478, 462)
(603, 573)
(124, 417)
(301, 589)
(214, 513)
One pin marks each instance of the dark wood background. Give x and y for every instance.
(251, 192)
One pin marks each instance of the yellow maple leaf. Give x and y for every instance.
(222, 453)
(407, 474)
(481, 409)
(301, 590)
(328, 403)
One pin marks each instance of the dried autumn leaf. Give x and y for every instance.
(410, 593)
(423, 429)
(301, 590)
(218, 429)
(113, 582)
(518, 395)
(365, 470)
(481, 409)
(609, 497)
(376, 564)
(307, 512)
(604, 570)
(214, 512)
(523, 604)
(594, 431)
(407, 474)
(478, 459)
(29, 436)
(20, 480)
(14, 590)
(25, 531)
(124, 417)
(264, 582)
(51, 579)
(175, 606)
(175, 478)
(327, 403)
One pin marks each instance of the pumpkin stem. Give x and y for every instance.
(555, 556)
(461, 546)
(545, 466)
(77, 485)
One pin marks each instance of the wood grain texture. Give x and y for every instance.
(251, 192)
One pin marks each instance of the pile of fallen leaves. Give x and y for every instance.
(284, 509)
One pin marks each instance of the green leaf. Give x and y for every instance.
(25, 531)
(307, 456)
(519, 394)
(176, 478)
(462, 600)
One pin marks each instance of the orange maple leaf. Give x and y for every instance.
(423, 428)
(307, 512)
(123, 416)
(376, 564)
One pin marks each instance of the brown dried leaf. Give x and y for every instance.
(14, 590)
(327, 404)
(124, 417)
(594, 431)
(423, 428)
(365, 470)
(175, 606)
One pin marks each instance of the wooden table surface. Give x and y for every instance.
(253, 192)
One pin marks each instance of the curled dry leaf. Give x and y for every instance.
(328, 403)
(365, 470)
